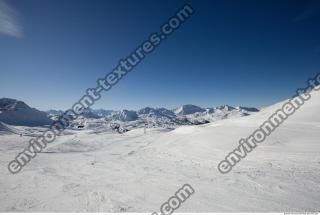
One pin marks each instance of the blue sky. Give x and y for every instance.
(250, 53)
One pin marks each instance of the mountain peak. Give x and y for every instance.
(188, 109)
(7, 104)
(226, 108)
(16, 112)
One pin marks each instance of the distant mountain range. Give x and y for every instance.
(16, 112)
(184, 115)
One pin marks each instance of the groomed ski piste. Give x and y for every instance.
(103, 171)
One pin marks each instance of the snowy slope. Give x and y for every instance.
(105, 171)
(7, 129)
(281, 174)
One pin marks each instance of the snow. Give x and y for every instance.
(54, 112)
(188, 109)
(91, 171)
(7, 129)
(124, 115)
(102, 112)
(157, 117)
(16, 112)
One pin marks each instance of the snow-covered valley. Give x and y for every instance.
(99, 170)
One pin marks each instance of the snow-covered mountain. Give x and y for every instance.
(162, 117)
(218, 113)
(188, 109)
(16, 112)
(53, 114)
(248, 109)
(124, 115)
(102, 113)
(89, 113)
(155, 112)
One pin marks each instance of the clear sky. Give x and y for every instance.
(236, 52)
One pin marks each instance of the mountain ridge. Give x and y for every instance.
(15, 112)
